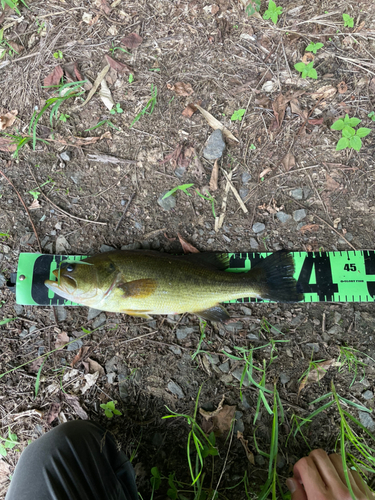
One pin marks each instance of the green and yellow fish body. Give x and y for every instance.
(143, 283)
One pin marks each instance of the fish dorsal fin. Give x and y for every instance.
(219, 261)
(138, 289)
(216, 313)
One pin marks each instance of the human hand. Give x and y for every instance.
(321, 477)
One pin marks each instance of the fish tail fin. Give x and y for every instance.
(274, 280)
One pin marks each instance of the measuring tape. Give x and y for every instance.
(321, 276)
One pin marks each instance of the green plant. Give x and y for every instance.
(103, 122)
(306, 70)
(209, 198)
(5, 46)
(8, 443)
(58, 54)
(131, 78)
(254, 6)
(202, 328)
(372, 115)
(252, 146)
(12, 5)
(273, 12)
(116, 109)
(237, 115)
(314, 47)
(6, 320)
(313, 365)
(63, 117)
(149, 108)
(34, 194)
(114, 48)
(4, 235)
(40, 25)
(351, 138)
(110, 409)
(181, 187)
(349, 358)
(348, 21)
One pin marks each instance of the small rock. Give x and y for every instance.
(41, 350)
(239, 425)
(254, 244)
(61, 313)
(18, 309)
(224, 367)
(300, 225)
(284, 378)
(368, 395)
(106, 248)
(252, 336)
(176, 350)
(62, 245)
(280, 461)
(167, 203)
(243, 192)
(245, 403)
(2, 280)
(336, 317)
(175, 389)
(184, 331)
(213, 358)
(366, 420)
(246, 310)
(111, 377)
(93, 313)
(123, 391)
(74, 346)
(100, 321)
(215, 146)
(32, 328)
(283, 217)
(234, 327)
(348, 236)
(313, 346)
(297, 194)
(246, 177)
(334, 330)
(298, 215)
(307, 192)
(64, 156)
(179, 172)
(260, 460)
(237, 373)
(132, 246)
(258, 227)
(48, 248)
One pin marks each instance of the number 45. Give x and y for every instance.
(350, 267)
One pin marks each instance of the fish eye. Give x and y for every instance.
(69, 268)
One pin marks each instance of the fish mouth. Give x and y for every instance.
(63, 280)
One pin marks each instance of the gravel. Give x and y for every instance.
(246, 177)
(175, 389)
(74, 346)
(100, 320)
(106, 248)
(366, 420)
(254, 244)
(283, 217)
(167, 203)
(297, 194)
(258, 227)
(299, 215)
(368, 395)
(93, 313)
(215, 146)
(284, 378)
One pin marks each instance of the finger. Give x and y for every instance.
(328, 471)
(306, 472)
(361, 483)
(337, 463)
(296, 489)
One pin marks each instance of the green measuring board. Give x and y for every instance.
(321, 276)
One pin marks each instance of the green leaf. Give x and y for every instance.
(108, 413)
(312, 73)
(338, 125)
(314, 47)
(353, 122)
(181, 187)
(6, 320)
(111, 405)
(156, 478)
(238, 114)
(131, 78)
(348, 21)
(346, 119)
(300, 66)
(117, 412)
(3, 451)
(254, 6)
(363, 132)
(348, 132)
(342, 144)
(172, 494)
(355, 142)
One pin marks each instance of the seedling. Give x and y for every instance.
(348, 21)
(103, 122)
(273, 12)
(237, 115)
(351, 138)
(110, 409)
(8, 443)
(349, 358)
(41, 26)
(372, 115)
(63, 117)
(5, 46)
(252, 146)
(254, 6)
(4, 235)
(12, 5)
(181, 187)
(149, 108)
(209, 198)
(314, 47)
(306, 70)
(34, 194)
(58, 54)
(114, 48)
(6, 320)
(131, 78)
(202, 328)
(116, 109)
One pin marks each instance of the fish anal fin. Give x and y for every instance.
(138, 289)
(137, 314)
(219, 261)
(216, 313)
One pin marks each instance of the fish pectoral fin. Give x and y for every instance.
(137, 314)
(216, 313)
(138, 289)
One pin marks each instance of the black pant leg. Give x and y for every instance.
(75, 461)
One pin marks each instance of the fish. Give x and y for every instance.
(144, 283)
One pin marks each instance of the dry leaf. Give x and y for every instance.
(97, 82)
(94, 366)
(181, 88)
(307, 57)
(8, 119)
(35, 365)
(53, 412)
(103, 6)
(215, 124)
(325, 92)
(4, 471)
(221, 418)
(106, 96)
(181, 156)
(120, 67)
(91, 379)
(214, 177)
(61, 339)
(331, 184)
(288, 161)
(279, 107)
(265, 172)
(54, 77)
(79, 356)
(249, 454)
(7, 145)
(309, 227)
(318, 373)
(186, 247)
(190, 109)
(73, 401)
(132, 41)
(295, 108)
(342, 88)
(35, 204)
(316, 121)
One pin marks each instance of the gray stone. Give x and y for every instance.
(215, 146)
(224, 367)
(300, 214)
(32, 328)
(131, 246)
(334, 330)
(368, 395)
(307, 192)
(74, 346)
(258, 227)
(283, 217)
(2, 280)
(48, 248)
(239, 425)
(167, 203)
(61, 313)
(313, 346)
(234, 327)
(41, 350)
(100, 321)
(366, 420)
(260, 460)
(254, 244)
(246, 310)
(64, 156)
(106, 248)
(123, 391)
(252, 336)
(179, 172)
(111, 377)
(213, 358)
(176, 350)
(93, 313)
(297, 194)
(62, 245)
(280, 461)
(246, 177)
(284, 378)
(348, 236)
(184, 331)
(336, 317)
(175, 389)
(237, 373)
(18, 309)
(245, 403)
(243, 192)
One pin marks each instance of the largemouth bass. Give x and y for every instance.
(143, 283)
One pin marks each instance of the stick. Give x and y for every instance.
(124, 212)
(235, 192)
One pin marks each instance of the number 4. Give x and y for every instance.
(350, 267)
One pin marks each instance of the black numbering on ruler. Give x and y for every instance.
(323, 286)
(350, 267)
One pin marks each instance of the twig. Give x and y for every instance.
(125, 210)
(235, 192)
(25, 207)
(225, 463)
(60, 209)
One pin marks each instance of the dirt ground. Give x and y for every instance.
(284, 159)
